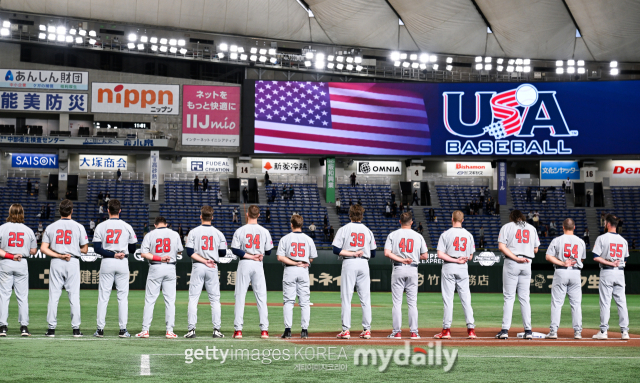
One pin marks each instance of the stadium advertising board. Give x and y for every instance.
(11, 101)
(469, 169)
(28, 160)
(285, 166)
(626, 169)
(135, 98)
(210, 165)
(211, 115)
(379, 168)
(102, 162)
(44, 79)
(559, 170)
(499, 119)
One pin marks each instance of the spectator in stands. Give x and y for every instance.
(67, 195)
(432, 214)
(602, 219)
(181, 232)
(101, 210)
(332, 233)
(40, 227)
(48, 212)
(536, 221)
(568, 185)
(538, 195)
(92, 226)
(394, 210)
(41, 213)
(353, 179)
(359, 202)
(205, 184)
(338, 203)
(274, 194)
(107, 198)
(543, 197)
(325, 231)
(393, 196)
(620, 229)
(245, 195)
(415, 198)
(529, 194)
(312, 230)
(196, 184)
(291, 192)
(387, 210)
(545, 230)
(468, 209)
(481, 196)
(585, 236)
(420, 228)
(633, 244)
(234, 214)
(530, 215)
(267, 215)
(28, 187)
(219, 197)
(435, 218)
(266, 179)
(119, 176)
(552, 228)
(350, 203)
(154, 191)
(481, 234)
(38, 236)
(497, 208)
(589, 198)
(145, 229)
(37, 187)
(326, 220)
(50, 192)
(100, 198)
(185, 238)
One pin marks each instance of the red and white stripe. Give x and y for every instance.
(503, 106)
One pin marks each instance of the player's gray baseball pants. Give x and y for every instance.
(250, 272)
(202, 275)
(455, 275)
(295, 281)
(14, 275)
(516, 278)
(161, 276)
(111, 270)
(404, 278)
(566, 282)
(612, 283)
(64, 274)
(355, 273)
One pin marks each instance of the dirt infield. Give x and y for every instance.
(280, 304)
(485, 338)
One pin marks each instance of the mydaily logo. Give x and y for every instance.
(434, 355)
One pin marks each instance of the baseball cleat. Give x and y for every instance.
(471, 333)
(552, 335)
(625, 335)
(503, 334)
(344, 335)
(170, 335)
(445, 334)
(77, 333)
(217, 333)
(51, 333)
(415, 335)
(365, 334)
(237, 334)
(395, 335)
(577, 334)
(24, 331)
(142, 334)
(304, 334)
(264, 334)
(286, 334)
(3, 330)
(124, 333)
(191, 333)
(99, 333)
(601, 335)
(528, 334)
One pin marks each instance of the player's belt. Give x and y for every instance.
(290, 265)
(403, 264)
(345, 258)
(162, 263)
(522, 256)
(612, 268)
(567, 268)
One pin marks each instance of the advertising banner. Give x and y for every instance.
(43, 102)
(210, 165)
(559, 170)
(285, 166)
(502, 183)
(379, 168)
(469, 169)
(28, 160)
(135, 98)
(331, 179)
(102, 162)
(626, 169)
(154, 174)
(211, 115)
(44, 79)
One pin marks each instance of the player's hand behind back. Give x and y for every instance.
(210, 263)
(65, 257)
(462, 260)
(166, 258)
(407, 261)
(17, 257)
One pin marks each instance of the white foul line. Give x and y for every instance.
(145, 368)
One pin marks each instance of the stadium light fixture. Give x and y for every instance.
(263, 59)
(580, 62)
(173, 50)
(415, 65)
(479, 66)
(233, 55)
(478, 59)
(330, 58)
(272, 52)
(449, 60)
(82, 32)
(154, 48)
(69, 39)
(273, 60)
(397, 63)
(487, 66)
(51, 29)
(253, 50)
(358, 68)
(511, 61)
(79, 40)
(319, 56)
(73, 31)
(613, 64)
(132, 37)
(144, 39)
(173, 42)
(307, 63)
(153, 40)
(519, 68)
(51, 36)
(330, 65)
(233, 48)
(308, 55)
(92, 41)
(240, 49)
(435, 66)
(220, 55)
(559, 63)
(405, 64)
(559, 70)
(163, 41)
(6, 24)
(349, 59)
(413, 57)
(527, 69)
(571, 62)
(581, 70)
(519, 61)
(500, 60)
(181, 43)
(510, 68)
(183, 51)
(403, 56)
(223, 47)
(319, 65)
(423, 66)
(424, 58)
(349, 67)
(43, 36)
(61, 38)
(571, 70)
(140, 47)
(499, 68)
(43, 28)
(340, 59)
(433, 58)
(131, 45)
(340, 66)
(163, 48)
(61, 30)
(243, 57)
(357, 59)
(395, 56)
(487, 59)
(614, 71)
(449, 68)
(92, 33)
(253, 58)
(526, 61)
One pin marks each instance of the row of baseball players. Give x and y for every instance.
(65, 240)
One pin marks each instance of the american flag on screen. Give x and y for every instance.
(339, 118)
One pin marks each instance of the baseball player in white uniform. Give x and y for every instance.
(114, 240)
(65, 241)
(356, 244)
(456, 248)
(161, 248)
(17, 242)
(519, 242)
(205, 246)
(566, 252)
(405, 247)
(296, 251)
(250, 244)
(611, 252)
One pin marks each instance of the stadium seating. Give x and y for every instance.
(626, 202)
(306, 202)
(472, 223)
(555, 199)
(16, 192)
(456, 197)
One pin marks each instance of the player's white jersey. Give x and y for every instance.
(65, 236)
(612, 247)
(456, 242)
(406, 243)
(567, 247)
(252, 239)
(17, 238)
(297, 246)
(355, 236)
(115, 235)
(162, 241)
(206, 240)
(521, 238)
